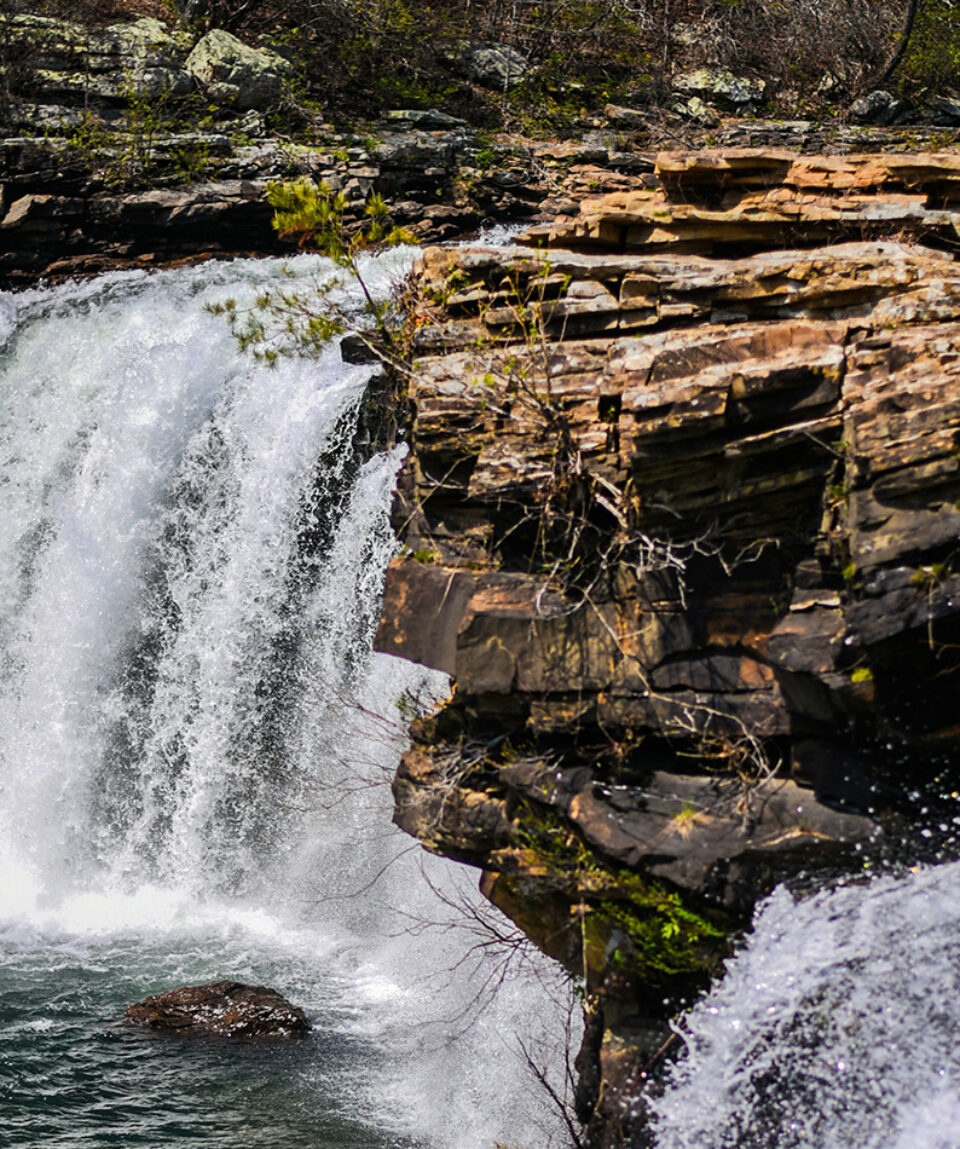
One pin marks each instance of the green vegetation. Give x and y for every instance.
(127, 156)
(928, 578)
(656, 933)
(353, 61)
(303, 323)
(932, 61)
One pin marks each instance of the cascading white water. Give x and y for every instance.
(194, 744)
(836, 1026)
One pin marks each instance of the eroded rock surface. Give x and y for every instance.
(223, 1009)
(68, 60)
(682, 523)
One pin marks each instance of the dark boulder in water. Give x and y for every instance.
(223, 1008)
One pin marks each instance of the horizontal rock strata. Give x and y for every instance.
(682, 515)
(96, 171)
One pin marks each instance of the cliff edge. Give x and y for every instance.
(681, 521)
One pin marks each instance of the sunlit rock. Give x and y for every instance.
(234, 74)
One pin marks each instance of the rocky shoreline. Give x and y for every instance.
(442, 182)
(95, 174)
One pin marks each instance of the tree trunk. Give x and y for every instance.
(909, 19)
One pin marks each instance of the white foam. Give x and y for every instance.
(834, 1026)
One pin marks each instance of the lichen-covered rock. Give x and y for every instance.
(221, 1009)
(720, 86)
(497, 66)
(695, 109)
(236, 75)
(72, 61)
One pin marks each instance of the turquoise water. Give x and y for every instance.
(70, 1075)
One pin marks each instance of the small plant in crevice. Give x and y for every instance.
(304, 322)
(661, 935)
(929, 580)
(688, 818)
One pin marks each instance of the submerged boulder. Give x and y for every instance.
(223, 1008)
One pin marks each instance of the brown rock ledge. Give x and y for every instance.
(681, 517)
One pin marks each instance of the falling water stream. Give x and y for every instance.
(835, 1027)
(195, 744)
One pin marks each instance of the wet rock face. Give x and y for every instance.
(682, 522)
(223, 1009)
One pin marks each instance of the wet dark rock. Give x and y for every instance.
(222, 1009)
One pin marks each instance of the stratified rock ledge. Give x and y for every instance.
(682, 519)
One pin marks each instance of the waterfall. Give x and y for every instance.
(195, 746)
(835, 1026)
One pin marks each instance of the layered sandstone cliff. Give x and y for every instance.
(681, 519)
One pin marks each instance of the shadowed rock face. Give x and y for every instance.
(221, 1008)
(682, 522)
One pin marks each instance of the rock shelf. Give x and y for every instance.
(682, 517)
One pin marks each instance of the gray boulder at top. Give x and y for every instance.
(720, 86)
(944, 110)
(236, 75)
(877, 107)
(223, 1008)
(494, 65)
